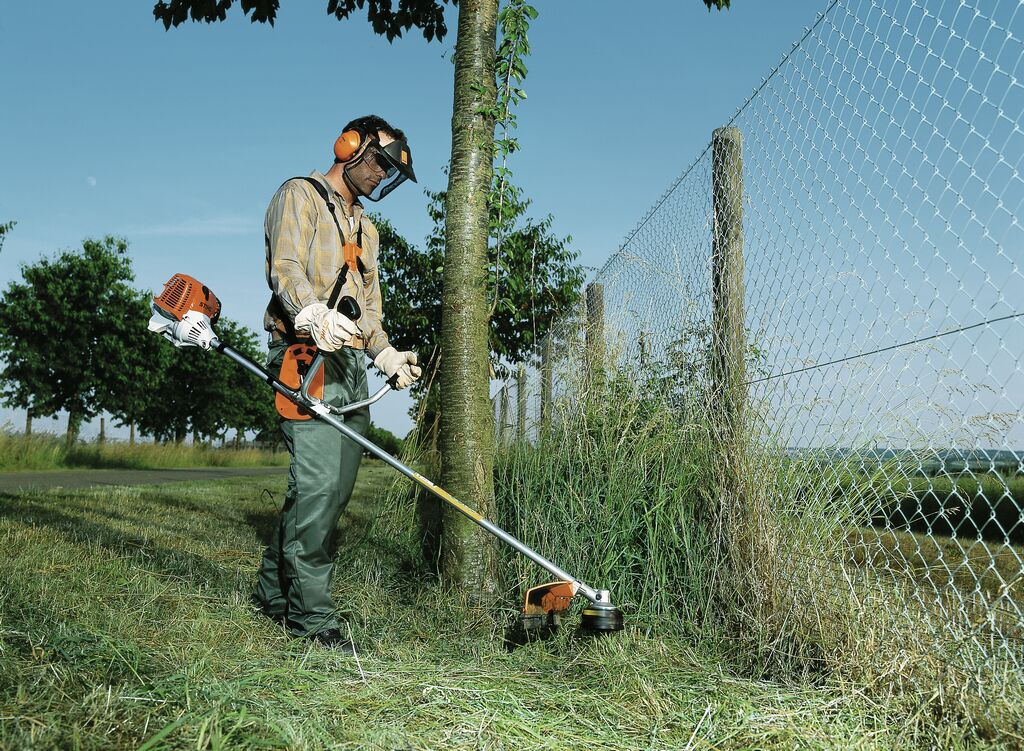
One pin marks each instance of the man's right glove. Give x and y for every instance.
(391, 362)
(330, 329)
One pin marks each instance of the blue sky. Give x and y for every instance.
(176, 140)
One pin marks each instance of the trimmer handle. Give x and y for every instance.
(349, 308)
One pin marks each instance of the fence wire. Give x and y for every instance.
(881, 327)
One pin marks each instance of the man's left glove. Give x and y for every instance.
(391, 362)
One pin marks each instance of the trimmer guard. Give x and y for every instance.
(553, 597)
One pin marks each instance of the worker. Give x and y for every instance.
(318, 239)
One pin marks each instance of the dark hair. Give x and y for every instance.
(370, 124)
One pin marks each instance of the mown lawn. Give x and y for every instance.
(124, 624)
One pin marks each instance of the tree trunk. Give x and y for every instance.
(74, 424)
(103, 431)
(467, 420)
(28, 422)
(131, 434)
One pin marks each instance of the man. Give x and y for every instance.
(317, 238)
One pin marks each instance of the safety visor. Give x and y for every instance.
(395, 161)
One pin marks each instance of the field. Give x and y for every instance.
(47, 451)
(124, 624)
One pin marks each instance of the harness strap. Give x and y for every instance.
(353, 262)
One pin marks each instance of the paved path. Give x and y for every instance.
(12, 482)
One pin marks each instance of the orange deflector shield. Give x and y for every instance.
(553, 597)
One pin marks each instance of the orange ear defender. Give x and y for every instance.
(347, 145)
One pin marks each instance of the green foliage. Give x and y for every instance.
(614, 492)
(134, 380)
(63, 327)
(539, 278)
(385, 439)
(719, 4)
(5, 229)
(426, 15)
(205, 394)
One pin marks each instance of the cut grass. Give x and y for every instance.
(45, 451)
(124, 624)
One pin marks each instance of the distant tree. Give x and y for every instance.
(205, 394)
(61, 327)
(134, 368)
(385, 439)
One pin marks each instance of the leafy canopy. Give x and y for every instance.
(387, 20)
(532, 280)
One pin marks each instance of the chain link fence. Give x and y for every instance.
(847, 256)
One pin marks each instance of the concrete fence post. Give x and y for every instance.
(596, 349)
(728, 368)
(547, 365)
(521, 403)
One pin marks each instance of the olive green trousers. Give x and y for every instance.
(295, 576)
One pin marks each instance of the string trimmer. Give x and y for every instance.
(185, 313)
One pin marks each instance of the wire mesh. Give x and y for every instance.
(881, 326)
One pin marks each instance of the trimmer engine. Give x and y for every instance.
(184, 313)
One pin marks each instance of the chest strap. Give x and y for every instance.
(352, 251)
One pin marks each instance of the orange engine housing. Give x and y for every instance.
(182, 293)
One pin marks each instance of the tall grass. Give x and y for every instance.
(46, 451)
(756, 556)
(747, 550)
(613, 491)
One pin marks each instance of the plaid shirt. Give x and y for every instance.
(304, 256)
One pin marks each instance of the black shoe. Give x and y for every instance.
(261, 607)
(332, 638)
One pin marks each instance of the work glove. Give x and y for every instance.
(330, 329)
(391, 362)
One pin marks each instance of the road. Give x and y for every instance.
(13, 482)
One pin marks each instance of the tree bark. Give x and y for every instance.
(467, 420)
(28, 422)
(74, 424)
(131, 435)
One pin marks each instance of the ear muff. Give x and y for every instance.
(347, 145)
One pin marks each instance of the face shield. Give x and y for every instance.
(378, 170)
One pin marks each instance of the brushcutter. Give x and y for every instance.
(185, 314)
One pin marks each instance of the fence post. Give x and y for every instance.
(503, 412)
(521, 403)
(595, 333)
(728, 370)
(546, 374)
